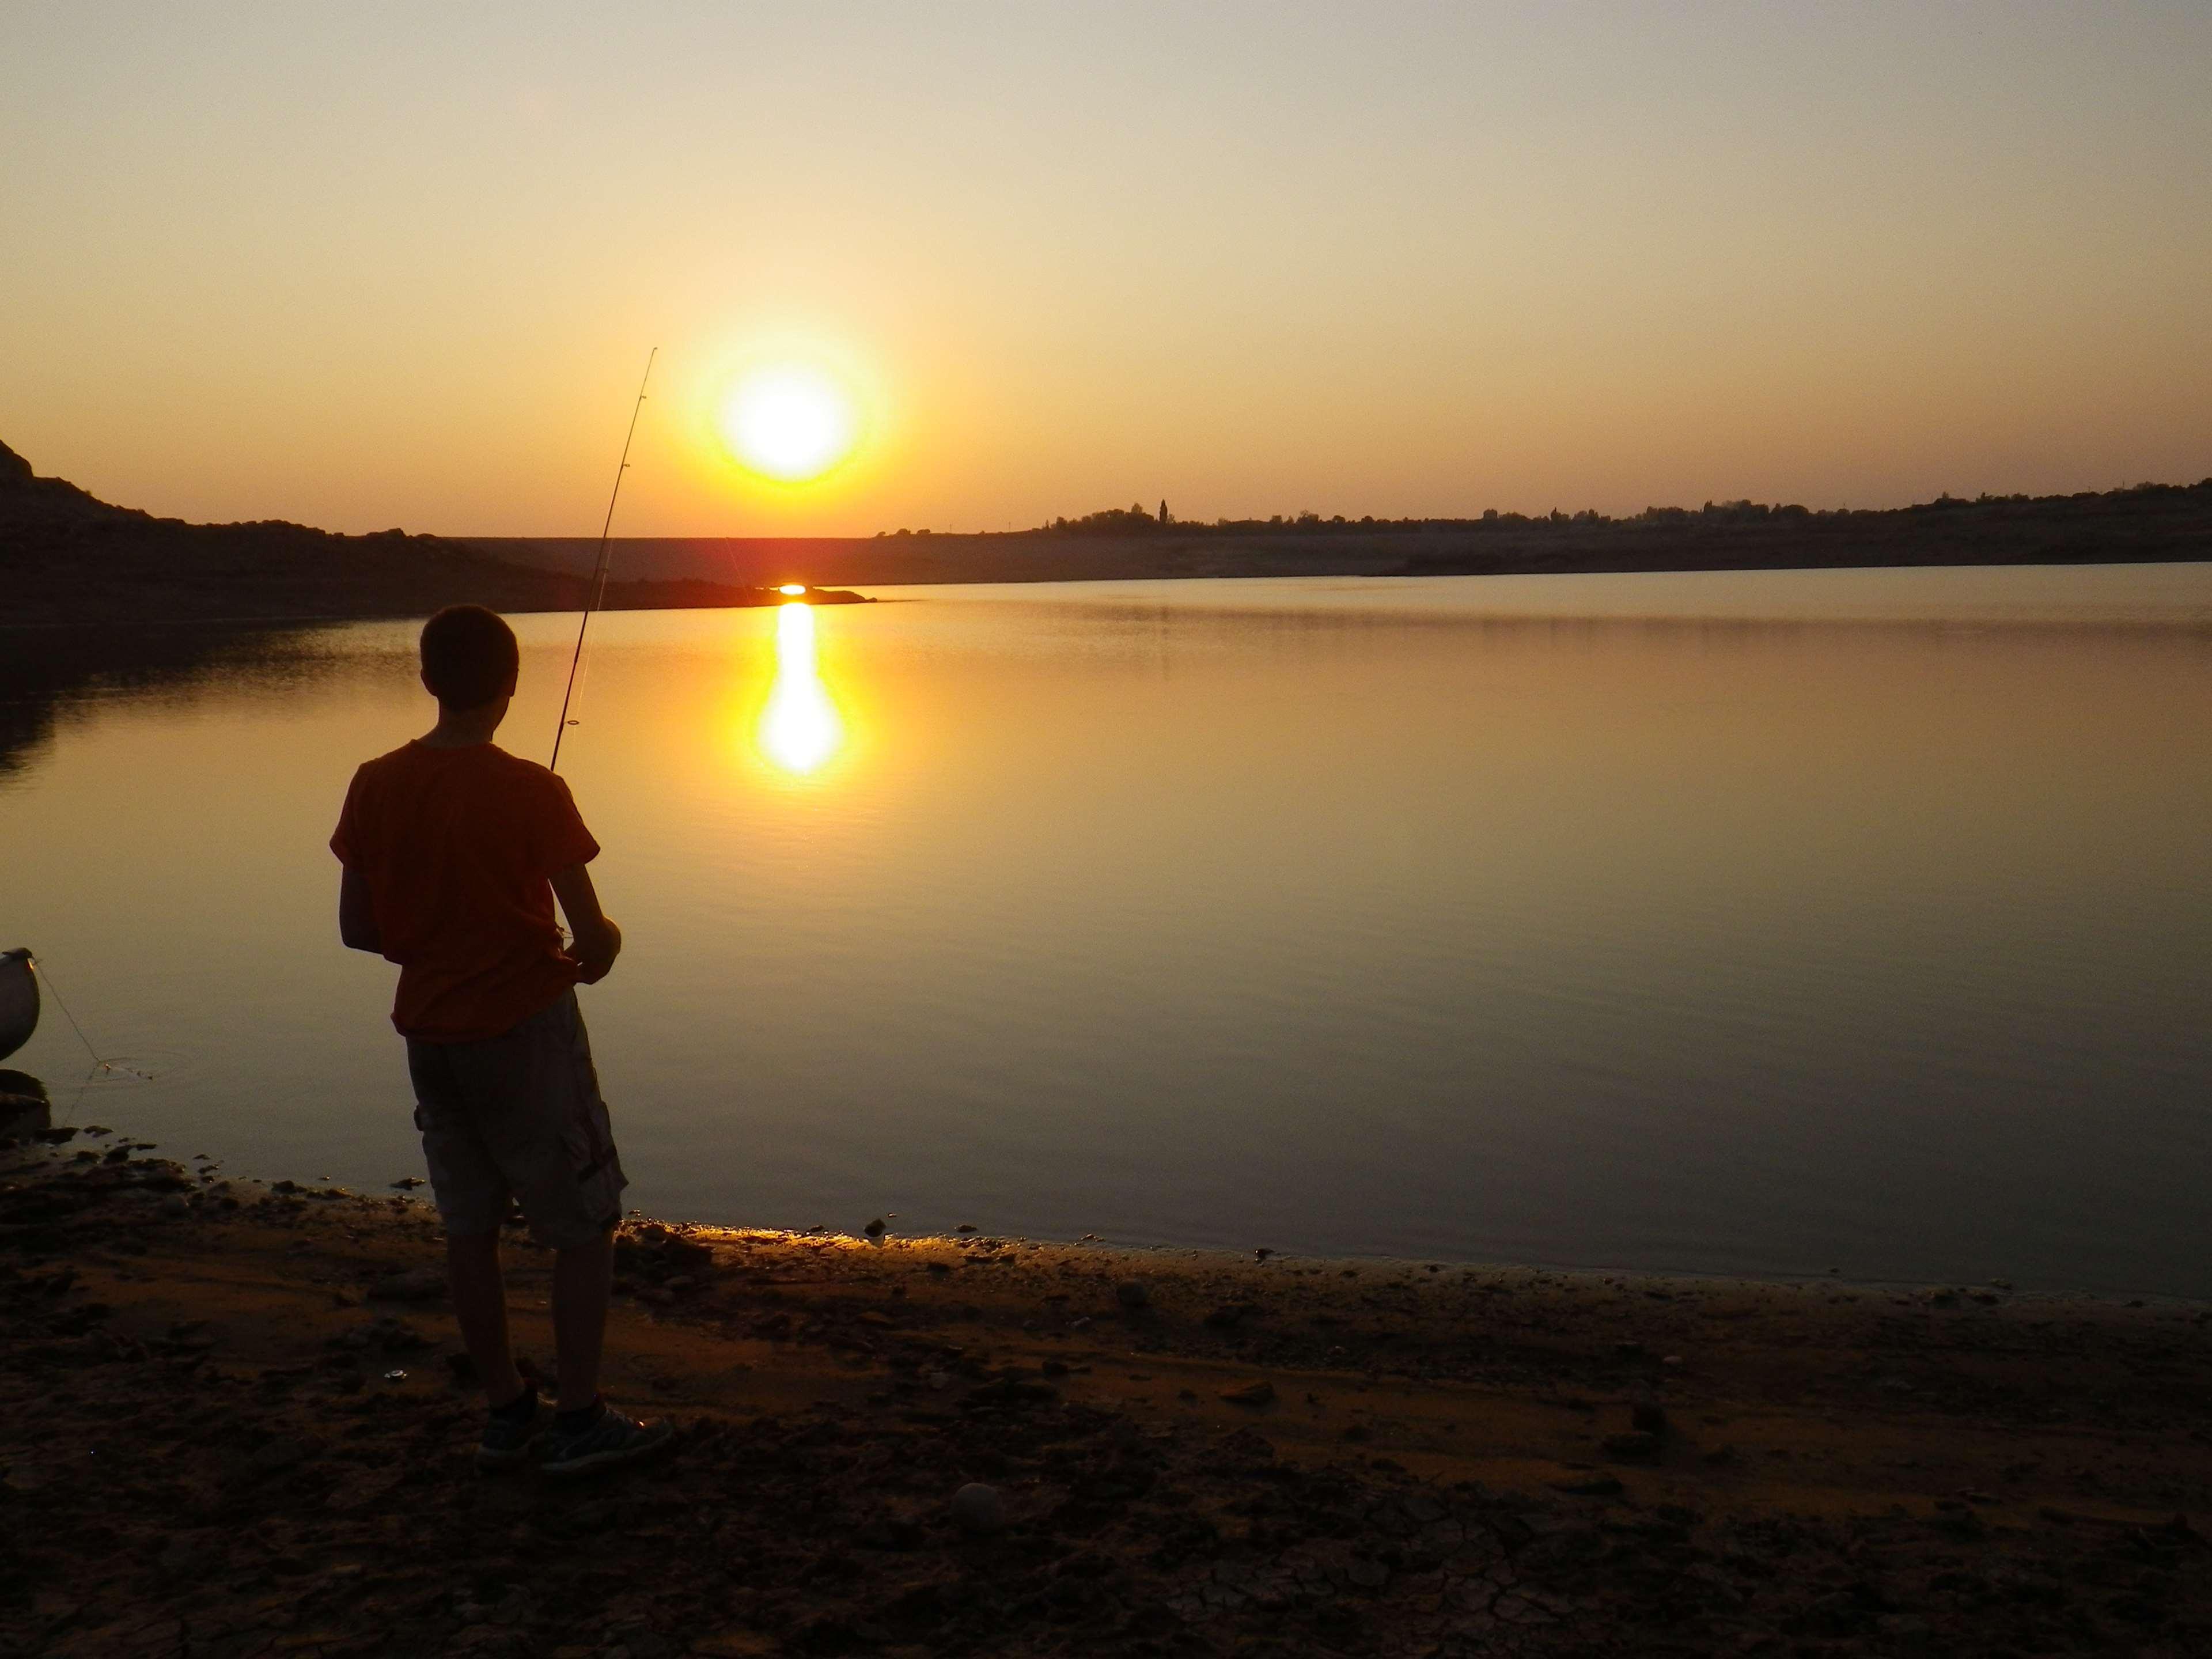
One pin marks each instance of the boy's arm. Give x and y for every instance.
(597, 941)
(357, 913)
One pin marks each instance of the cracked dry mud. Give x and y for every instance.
(235, 1424)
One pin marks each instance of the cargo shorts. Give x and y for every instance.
(517, 1118)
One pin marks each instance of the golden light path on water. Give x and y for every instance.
(799, 726)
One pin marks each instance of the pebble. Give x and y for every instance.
(277, 1456)
(1594, 1485)
(420, 1285)
(979, 1509)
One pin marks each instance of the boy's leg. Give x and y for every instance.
(473, 1197)
(583, 1275)
(480, 1310)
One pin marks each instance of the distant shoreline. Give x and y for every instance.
(68, 558)
(2160, 524)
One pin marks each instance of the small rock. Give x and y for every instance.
(416, 1284)
(407, 1183)
(278, 1456)
(875, 1229)
(1591, 1485)
(1261, 1393)
(1262, 1253)
(978, 1509)
(396, 1335)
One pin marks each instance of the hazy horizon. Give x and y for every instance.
(360, 271)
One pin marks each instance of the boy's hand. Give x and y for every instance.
(596, 956)
(598, 941)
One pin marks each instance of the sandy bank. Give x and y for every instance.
(234, 1423)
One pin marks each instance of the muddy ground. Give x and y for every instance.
(235, 1420)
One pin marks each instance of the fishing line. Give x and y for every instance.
(98, 1065)
(599, 571)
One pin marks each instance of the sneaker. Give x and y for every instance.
(608, 1441)
(507, 1436)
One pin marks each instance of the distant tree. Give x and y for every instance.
(1132, 520)
(1163, 511)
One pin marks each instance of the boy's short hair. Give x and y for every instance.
(469, 656)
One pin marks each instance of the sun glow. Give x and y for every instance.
(800, 728)
(789, 422)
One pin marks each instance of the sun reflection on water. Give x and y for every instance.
(799, 727)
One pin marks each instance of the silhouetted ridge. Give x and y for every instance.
(68, 556)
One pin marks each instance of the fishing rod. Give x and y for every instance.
(599, 571)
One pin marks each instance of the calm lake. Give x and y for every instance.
(1763, 923)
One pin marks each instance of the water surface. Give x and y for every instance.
(1768, 922)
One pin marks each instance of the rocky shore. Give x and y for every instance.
(236, 1421)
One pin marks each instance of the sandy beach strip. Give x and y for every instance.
(236, 1420)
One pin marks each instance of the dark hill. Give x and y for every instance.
(67, 556)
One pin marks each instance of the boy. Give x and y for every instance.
(454, 852)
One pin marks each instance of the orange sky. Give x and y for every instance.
(403, 267)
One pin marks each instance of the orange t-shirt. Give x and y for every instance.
(456, 846)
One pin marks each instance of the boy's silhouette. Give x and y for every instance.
(454, 852)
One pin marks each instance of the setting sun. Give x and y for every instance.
(789, 422)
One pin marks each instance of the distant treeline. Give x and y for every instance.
(1135, 520)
